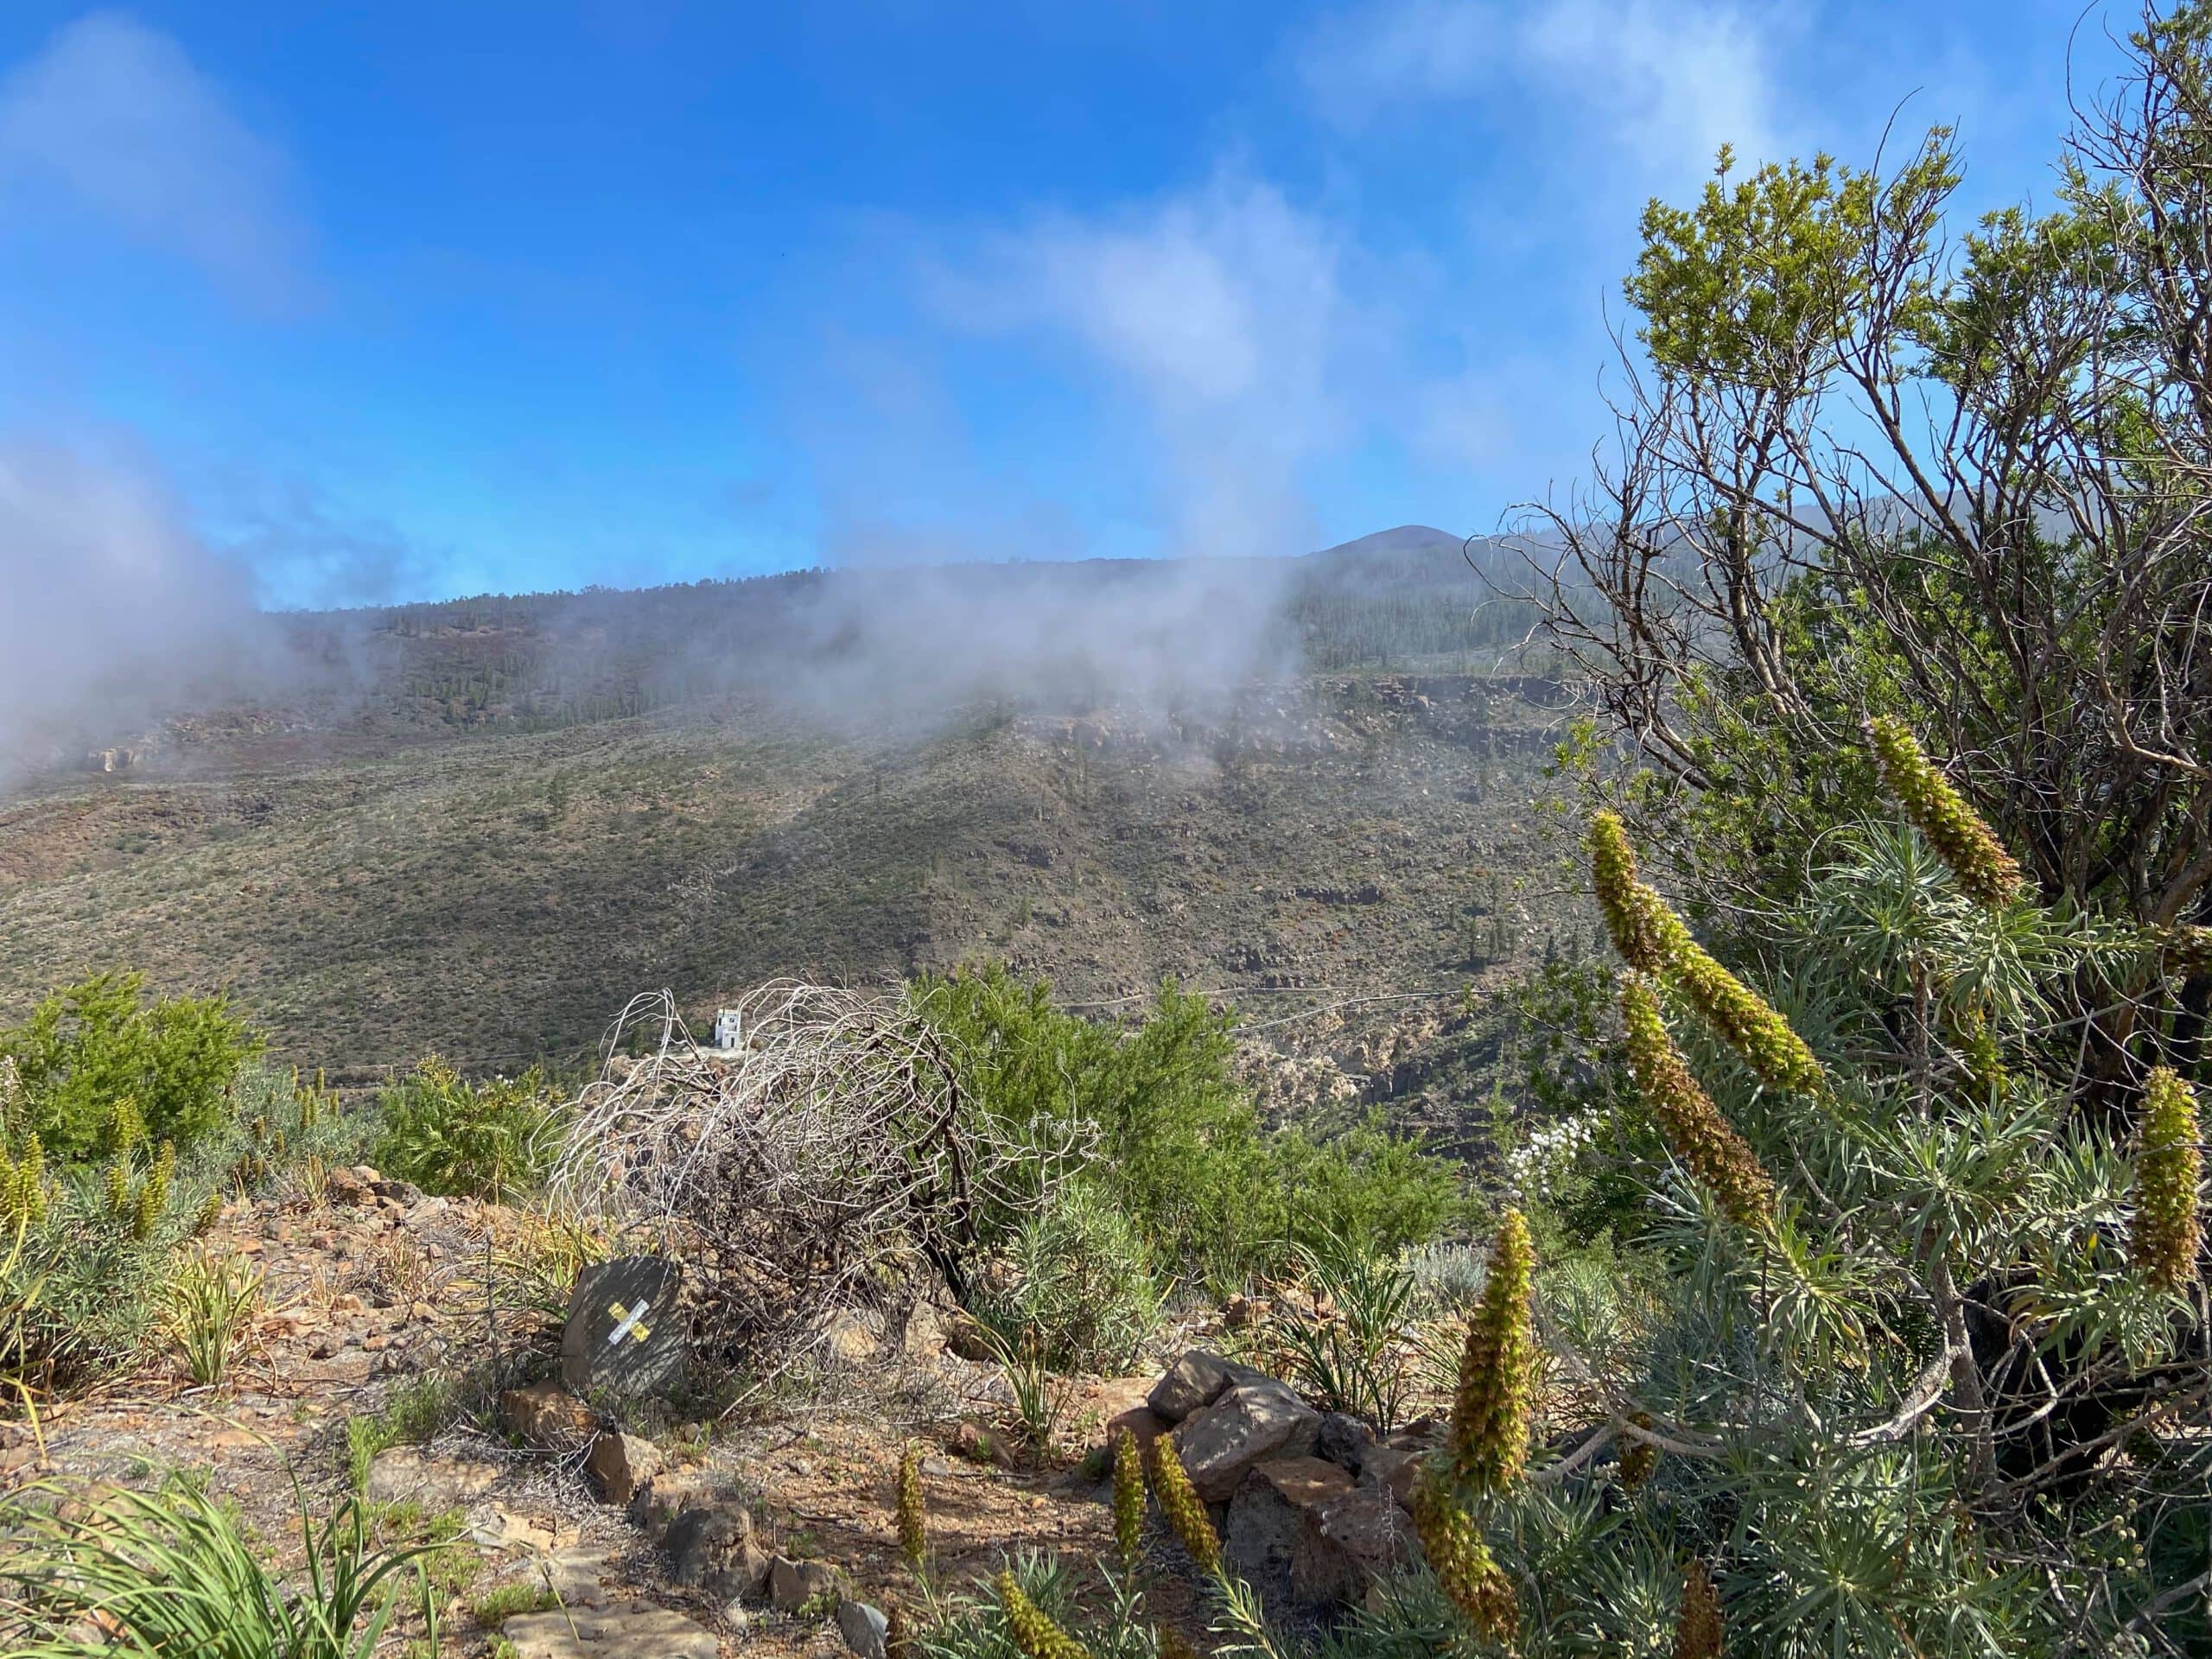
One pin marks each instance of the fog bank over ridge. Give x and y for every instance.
(130, 619)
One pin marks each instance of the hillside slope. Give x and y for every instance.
(498, 896)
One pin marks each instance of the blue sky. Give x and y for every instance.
(376, 302)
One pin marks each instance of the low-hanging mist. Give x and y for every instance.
(116, 613)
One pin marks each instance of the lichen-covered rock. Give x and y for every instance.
(407, 1474)
(1250, 1424)
(713, 1549)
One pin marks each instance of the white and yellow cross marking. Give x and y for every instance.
(630, 1322)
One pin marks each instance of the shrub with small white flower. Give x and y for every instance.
(1536, 1167)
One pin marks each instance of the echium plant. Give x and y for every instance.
(1929, 1329)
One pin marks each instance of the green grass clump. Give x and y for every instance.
(496, 1606)
(174, 1571)
(212, 1299)
(413, 1414)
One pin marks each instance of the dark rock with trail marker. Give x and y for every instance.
(623, 1338)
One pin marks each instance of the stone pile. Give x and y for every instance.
(710, 1541)
(1312, 1507)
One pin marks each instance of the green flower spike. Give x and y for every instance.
(1955, 829)
(1032, 1629)
(2168, 1167)
(1721, 1159)
(1497, 1395)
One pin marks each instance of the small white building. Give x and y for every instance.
(726, 1033)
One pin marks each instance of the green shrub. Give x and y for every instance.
(98, 1045)
(1081, 1290)
(461, 1139)
(1215, 1193)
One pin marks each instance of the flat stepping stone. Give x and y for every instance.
(405, 1474)
(629, 1631)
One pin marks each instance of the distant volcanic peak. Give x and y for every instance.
(1406, 538)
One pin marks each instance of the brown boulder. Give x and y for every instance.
(793, 1584)
(620, 1464)
(1392, 1469)
(1195, 1382)
(547, 1414)
(1267, 1518)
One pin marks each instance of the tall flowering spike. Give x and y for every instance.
(1697, 1631)
(1173, 1644)
(2168, 1168)
(31, 1178)
(1723, 1163)
(1128, 1499)
(913, 1525)
(1497, 1396)
(1652, 939)
(15, 1102)
(126, 1127)
(898, 1638)
(1747, 1022)
(1955, 829)
(1639, 1457)
(1644, 931)
(1184, 1510)
(1979, 1048)
(1031, 1627)
(1466, 1570)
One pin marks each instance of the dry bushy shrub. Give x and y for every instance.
(819, 1166)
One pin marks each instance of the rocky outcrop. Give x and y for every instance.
(1316, 1504)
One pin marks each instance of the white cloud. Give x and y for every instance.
(1672, 80)
(1660, 84)
(1225, 317)
(113, 115)
(1356, 64)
